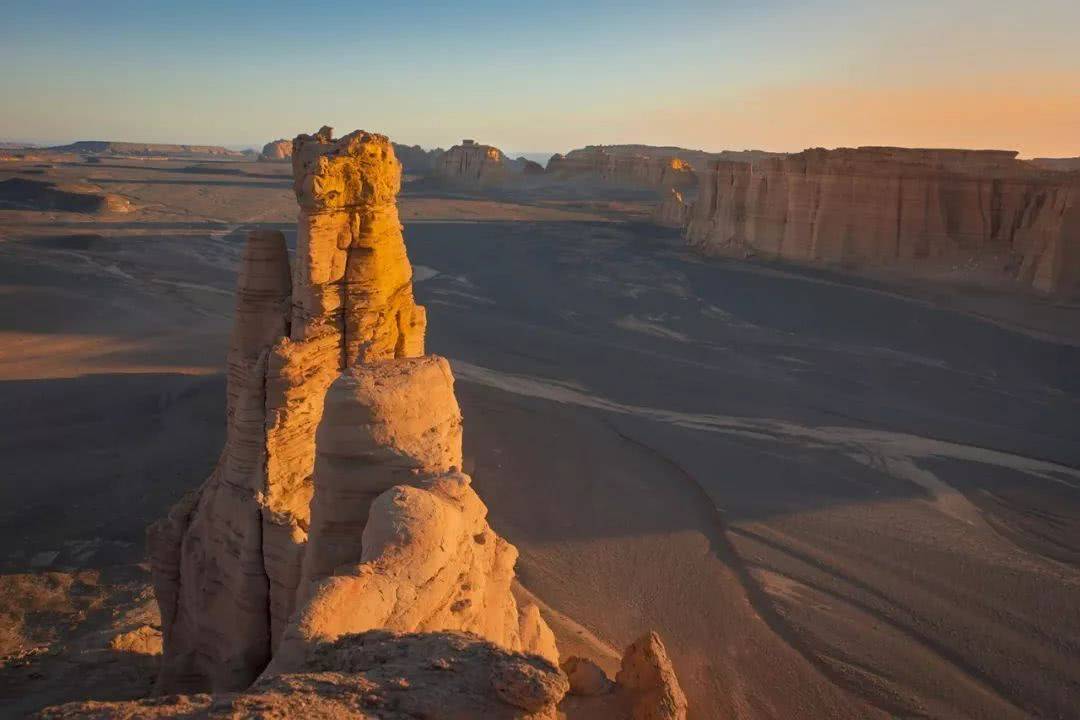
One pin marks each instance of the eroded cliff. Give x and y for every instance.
(894, 206)
(595, 165)
(473, 165)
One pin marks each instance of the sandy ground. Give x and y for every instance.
(832, 496)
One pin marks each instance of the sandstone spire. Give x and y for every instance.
(278, 545)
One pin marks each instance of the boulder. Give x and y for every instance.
(647, 679)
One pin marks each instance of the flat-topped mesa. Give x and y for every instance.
(471, 164)
(596, 165)
(1066, 164)
(897, 206)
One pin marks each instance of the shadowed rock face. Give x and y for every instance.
(1069, 164)
(673, 210)
(42, 195)
(374, 675)
(892, 206)
(277, 544)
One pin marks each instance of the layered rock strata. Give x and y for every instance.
(596, 165)
(699, 160)
(398, 538)
(672, 211)
(146, 150)
(896, 206)
(230, 562)
(473, 165)
(338, 506)
(1067, 164)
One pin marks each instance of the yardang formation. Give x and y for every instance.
(338, 508)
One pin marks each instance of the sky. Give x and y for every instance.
(548, 76)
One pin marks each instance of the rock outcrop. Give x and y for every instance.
(376, 675)
(648, 680)
(473, 165)
(281, 548)
(1069, 164)
(143, 150)
(276, 150)
(414, 159)
(595, 165)
(896, 206)
(44, 195)
(672, 211)
(699, 160)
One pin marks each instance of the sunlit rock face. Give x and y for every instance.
(596, 165)
(413, 158)
(276, 150)
(277, 543)
(473, 165)
(894, 206)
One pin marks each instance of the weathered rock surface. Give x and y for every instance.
(648, 681)
(376, 675)
(144, 640)
(586, 677)
(473, 165)
(1069, 164)
(398, 539)
(280, 549)
(699, 160)
(594, 164)
(413, 158)
(276, 150)
(673, 210)
(896, 206)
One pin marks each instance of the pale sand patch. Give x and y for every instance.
(32, 356)
(636, 324)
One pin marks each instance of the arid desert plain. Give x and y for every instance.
(833, 489)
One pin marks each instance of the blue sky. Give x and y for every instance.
(548, 76)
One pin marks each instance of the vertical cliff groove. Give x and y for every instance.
(891, 205)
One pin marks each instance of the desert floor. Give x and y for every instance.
(832, 496)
